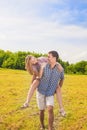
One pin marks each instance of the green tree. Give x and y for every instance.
(20, 60)
(86, 69)
(10, 62)
(2, 55)
(64, 64)
(80, 67)
(71, 69)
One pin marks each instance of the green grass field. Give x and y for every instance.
(14, 85)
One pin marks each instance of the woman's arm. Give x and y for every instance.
(35, 74)
(33, 78)
(41, 70)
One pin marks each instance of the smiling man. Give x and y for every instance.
(50, 80)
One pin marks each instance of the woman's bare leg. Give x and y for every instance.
(59, 99)
(31, 91)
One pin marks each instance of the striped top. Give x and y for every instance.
(49, 80)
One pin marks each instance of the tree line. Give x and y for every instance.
(16, 60)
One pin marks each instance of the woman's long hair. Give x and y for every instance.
(28, 65)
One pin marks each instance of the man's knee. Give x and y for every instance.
(41, 112)
(50, 109)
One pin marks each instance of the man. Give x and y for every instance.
(49, 81)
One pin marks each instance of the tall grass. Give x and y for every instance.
(14, 85)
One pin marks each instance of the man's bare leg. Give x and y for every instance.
(50, 117)
(42, 119)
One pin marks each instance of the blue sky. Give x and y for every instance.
(44, 25)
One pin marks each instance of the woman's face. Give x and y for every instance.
(33, 60)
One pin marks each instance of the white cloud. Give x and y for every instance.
(78, 57)
(30, 32)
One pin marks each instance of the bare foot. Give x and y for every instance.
(25, 105)
(62, 112)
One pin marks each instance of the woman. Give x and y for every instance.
(33, 66)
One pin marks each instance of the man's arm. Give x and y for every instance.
(61, 82)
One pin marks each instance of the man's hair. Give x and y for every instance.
(54, 54)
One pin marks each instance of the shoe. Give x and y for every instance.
(25, 105)
(42, 128)
(62, 112)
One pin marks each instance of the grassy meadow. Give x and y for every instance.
(14, 85)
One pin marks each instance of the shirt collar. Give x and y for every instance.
(53, 67)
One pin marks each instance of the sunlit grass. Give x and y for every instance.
(14, 85)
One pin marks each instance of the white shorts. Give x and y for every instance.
(44, 101)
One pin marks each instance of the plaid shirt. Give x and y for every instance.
(49, 80)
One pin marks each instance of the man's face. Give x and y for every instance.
(51, 59)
